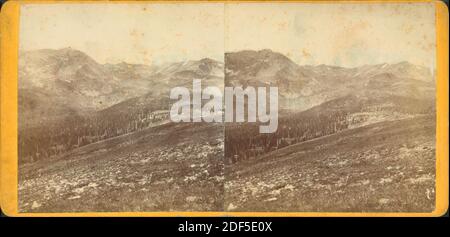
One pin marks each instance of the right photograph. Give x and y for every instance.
(356, 108)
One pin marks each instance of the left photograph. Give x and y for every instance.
(94, 101)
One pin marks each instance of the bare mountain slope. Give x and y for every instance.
(383, 167)
(71, 80)
(302, 87)
(68, 100)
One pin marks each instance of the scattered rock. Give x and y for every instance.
(35, 205)
(92, 185)
(289, 187)
(231, 207)
(191, 198)
(275, 192)
(385, 180)
(271, 199)
(421, 179)
(74, 197)
(383, 201)
(79, 190)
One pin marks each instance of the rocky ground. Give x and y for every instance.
(387, 166)
(169, 168)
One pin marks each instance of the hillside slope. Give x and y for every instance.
(172, 167)
(383, 167)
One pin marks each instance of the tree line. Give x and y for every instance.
(57, 137)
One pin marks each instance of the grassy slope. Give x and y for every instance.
(171, 167)
(388, 166)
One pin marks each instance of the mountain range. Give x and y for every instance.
(67, 81)
(96, 137)
(66, 86)
(302, 87)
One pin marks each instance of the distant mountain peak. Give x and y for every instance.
(253, 61)
(207, 60)
(404, 63)
(68, 49)
(258, 53)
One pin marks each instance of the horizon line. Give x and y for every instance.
(21, 50)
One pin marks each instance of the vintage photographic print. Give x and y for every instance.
(227, 107)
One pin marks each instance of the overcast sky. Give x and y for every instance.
(134, 33)
(336, 34)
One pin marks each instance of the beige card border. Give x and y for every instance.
(9, 32)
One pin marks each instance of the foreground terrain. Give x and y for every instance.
(167, 168)
(387, 166)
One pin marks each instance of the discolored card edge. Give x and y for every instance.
(9, 34)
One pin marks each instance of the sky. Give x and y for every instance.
(336, 34)
(134, 33)
(346, 35)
